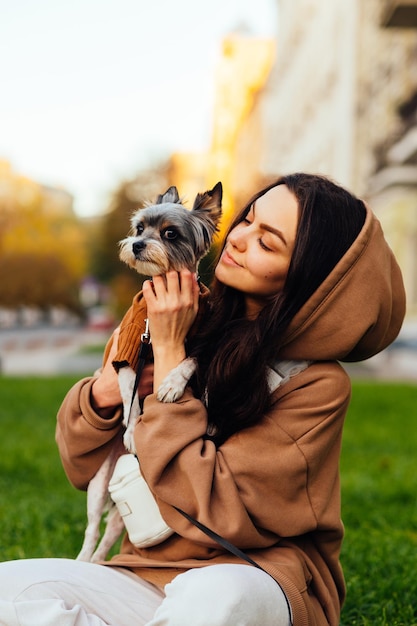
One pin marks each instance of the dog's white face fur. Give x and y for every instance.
(167, 236)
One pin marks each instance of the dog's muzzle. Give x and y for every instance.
(137, 247)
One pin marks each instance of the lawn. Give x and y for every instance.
(42, 515)
(379, 496)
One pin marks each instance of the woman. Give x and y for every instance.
(305, 274)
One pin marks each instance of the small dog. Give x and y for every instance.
(164, 236)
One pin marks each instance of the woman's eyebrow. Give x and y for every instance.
(274, 231)
(270, 229)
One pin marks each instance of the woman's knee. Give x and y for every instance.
(16, 576)
(25, 575)
(236, 595)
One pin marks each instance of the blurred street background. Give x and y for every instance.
(46, 351)
(106, 104)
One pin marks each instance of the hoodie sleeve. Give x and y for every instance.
(276, 479)
(84, 438)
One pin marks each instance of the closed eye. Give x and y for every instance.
(264, 246)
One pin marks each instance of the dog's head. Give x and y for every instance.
(167, 236)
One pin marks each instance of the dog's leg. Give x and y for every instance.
(97, 497)
(114, 528)
(131, 410)
(173, 385)
(128, 438)
(126, 378)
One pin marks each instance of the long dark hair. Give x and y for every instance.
(232, 351)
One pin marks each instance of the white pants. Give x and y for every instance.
(62, 592)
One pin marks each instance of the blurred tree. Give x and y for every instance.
(37, 280)
(42, 248)
(114, 226)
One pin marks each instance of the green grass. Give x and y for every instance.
(95, 348)
(379, 487)
(42, 515)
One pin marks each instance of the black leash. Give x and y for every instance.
(230, 547)
(145, 345)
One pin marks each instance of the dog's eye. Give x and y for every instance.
(170, 234)
(139, 229)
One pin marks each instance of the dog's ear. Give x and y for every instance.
(209, 204)
(217, 193)
(171, 195)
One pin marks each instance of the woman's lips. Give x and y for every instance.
(227, 259)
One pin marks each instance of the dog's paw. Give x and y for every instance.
(129, 441)
(173, 385)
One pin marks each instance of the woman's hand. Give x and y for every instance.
(105, 392)
(172, 303)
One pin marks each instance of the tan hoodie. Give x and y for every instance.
(272, 489)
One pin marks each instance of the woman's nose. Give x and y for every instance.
(237, 239)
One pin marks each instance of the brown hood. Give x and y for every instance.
(358, 310)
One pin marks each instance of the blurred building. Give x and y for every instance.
(335, 94)
(392, 187)
(242, 70)
(341, 100)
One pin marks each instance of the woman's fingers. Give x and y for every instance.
(171, 291)
(172, 302)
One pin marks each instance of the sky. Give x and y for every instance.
(91, 91)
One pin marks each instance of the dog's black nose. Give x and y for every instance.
(137, 247)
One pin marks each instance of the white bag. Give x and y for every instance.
(136, 504)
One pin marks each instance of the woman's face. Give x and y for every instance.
(257, 254)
